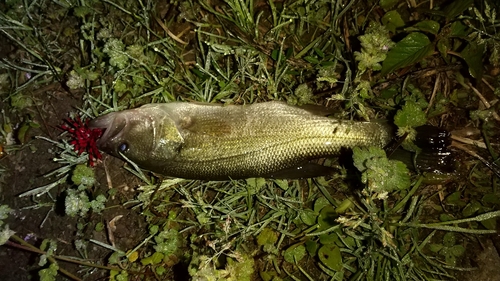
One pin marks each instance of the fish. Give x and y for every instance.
(222, 142)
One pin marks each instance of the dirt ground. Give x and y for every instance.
(45, 218)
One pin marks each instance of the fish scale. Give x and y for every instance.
(214, 142)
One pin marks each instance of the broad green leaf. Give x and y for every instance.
(255, 184)
(412, 49)
(443, 46)
(308, 217)
(490, 223)
(445, 217)
(428, 26)
(471, 208)
(450, 258)
(435, 247)
(283, 184)
(311, 247)
(388, 4)
(349, 242)
(389, 93)
(455, 199)
(457, 250)
(267, 236)
(156, 258)
(294, 253)
(491, 198)
(320, 203)
(327, 217)
(473, 56)
(458, 29)
(449, 239)
(267, 276)
(456, 8)
(275, 54)
(326, 239)
(392, 20)
(330, 256)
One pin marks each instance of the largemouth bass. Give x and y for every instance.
(216, 142)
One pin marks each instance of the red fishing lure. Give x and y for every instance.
(84, 138)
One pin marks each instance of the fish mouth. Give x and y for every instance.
(112, 126)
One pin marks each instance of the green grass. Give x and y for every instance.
(351, 226)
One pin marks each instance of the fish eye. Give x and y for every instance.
(123, 147)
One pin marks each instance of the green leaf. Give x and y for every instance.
(392, 20)
(379, 173)
(435, 247)
(455, 199)
(445, 217)
(283, 184)
(411, 115)
(491, 198)
(449, 239)
(311, 247)
(349, 242)
(389, 93)
(457, 250)
(295, 253)
(327, 217)
(360, 156)
(443, 46)
(83, 175)
(456, 8)
(473, 56)
(388, 4)
(428, 26)
(115, 258)
(308, 217)
(275, 54)
(319, 52)
(311, 59)
(267, 276)
(160, 270)
(155, 258)
(450, 259)
(330, 256)
(326, 239)
(320, 203)
(254, 185)
(412, 49)
(267, 236)
(50, 273)
(99, 227)
(471, 208)
(490, 223)
(458, 29)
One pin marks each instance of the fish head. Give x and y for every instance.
(142, 135)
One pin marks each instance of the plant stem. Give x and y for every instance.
(28, 247)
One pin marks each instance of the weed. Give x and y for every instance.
(377, 220)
